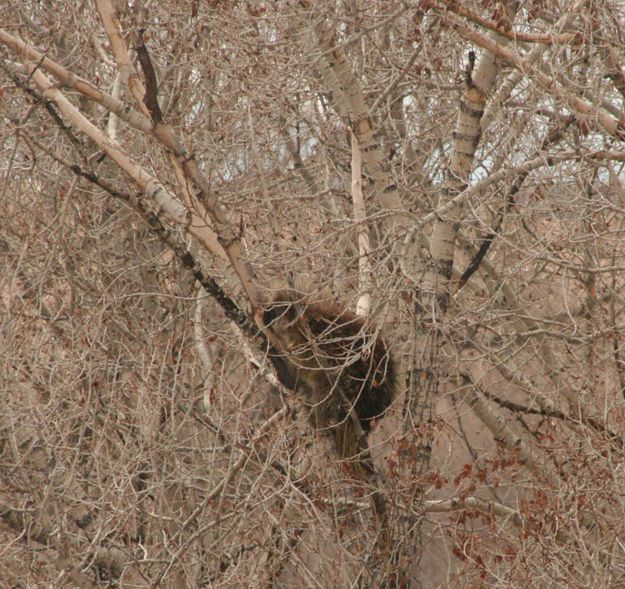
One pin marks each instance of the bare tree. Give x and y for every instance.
(440, 183)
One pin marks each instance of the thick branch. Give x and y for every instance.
(589, 113)
(151, 85)
(503, 27)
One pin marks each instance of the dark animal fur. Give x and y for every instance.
(334, 358)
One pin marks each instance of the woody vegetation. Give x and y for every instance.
(312, 294)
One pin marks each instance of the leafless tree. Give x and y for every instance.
(450, 172)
